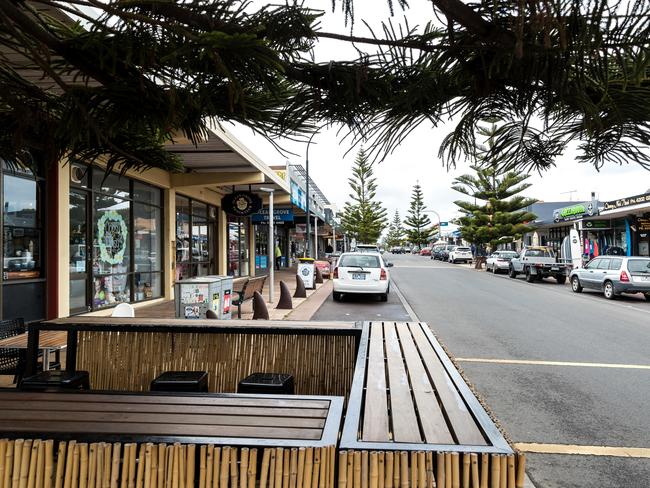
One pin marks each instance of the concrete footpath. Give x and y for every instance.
(303, 308)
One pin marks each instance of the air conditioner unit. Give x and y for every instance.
(77, 173)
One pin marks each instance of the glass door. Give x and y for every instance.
(79, 272)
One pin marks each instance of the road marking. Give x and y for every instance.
(409, 310)
(629, 452)
(554, 363)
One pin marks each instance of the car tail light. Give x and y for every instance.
(624, 277)
(383, 275)
(336, 273)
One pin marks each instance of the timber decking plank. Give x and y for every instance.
(166, 408)
(43, 427)
(434, 425)
(462, 422)
(403, 418)
(375, 418)
(161, 418)
(180, 399)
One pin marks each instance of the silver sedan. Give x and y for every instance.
(499, 261)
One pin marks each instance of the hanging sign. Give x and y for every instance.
(279, 215)
(596, 224)
(241, 203)
(112, 234)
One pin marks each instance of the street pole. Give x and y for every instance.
(307, 204)
(439, 222)
(271, 245)
(315, 237)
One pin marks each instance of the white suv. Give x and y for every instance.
(460, 253)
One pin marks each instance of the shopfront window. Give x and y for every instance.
(125, 228)
(22, 228)
(195, 238)
(238, 247)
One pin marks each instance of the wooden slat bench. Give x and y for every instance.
(246, 289)
(410, 408)
(150, 440)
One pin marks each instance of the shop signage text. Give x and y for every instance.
(643, 224)
(298, 197)
(575, 212)
(241, 203)
(627, 202)
(279, 215)
(596, 224)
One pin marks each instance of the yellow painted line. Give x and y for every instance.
(553, 363)
(631, 452)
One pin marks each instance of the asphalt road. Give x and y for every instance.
(480, 316)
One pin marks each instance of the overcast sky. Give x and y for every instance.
(416, 159)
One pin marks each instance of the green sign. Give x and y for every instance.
(596, 224)
(575, 212)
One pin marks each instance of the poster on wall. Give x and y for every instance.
(112, 235)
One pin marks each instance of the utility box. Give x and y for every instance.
(306, 270)
(195, 296)
(224, 310)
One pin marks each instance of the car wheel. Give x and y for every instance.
(575, 285)
(511, 272)
(529, 276)
(561, 279)
(336, 296)
(647, 296)
(608, 290)
(383, 297)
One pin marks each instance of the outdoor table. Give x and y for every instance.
(49, 341)
(223, 419)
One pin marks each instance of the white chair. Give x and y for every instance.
(123, 310)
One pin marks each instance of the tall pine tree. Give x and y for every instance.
(417, 220)
(363, 218)
(498, 214)
(395, 235)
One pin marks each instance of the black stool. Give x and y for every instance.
(57, 380)
(181, 381)
(267, 383)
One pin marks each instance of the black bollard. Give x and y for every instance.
(319, 276)
(285, 297)
(300, 288)
(260, 312)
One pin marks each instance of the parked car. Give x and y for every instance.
(460, 253)
(500, 261)
(536, 263)
(415, 250)
(444, 253)
(436, 251)
(361, 273)
(613, 275)
(425, 251)
(324, 267)
(396, 250)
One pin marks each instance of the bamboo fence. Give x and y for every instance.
(27, 463)
(129, 361)
(426, 469)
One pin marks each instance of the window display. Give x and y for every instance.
(125, 260)
(195, 224)
(22, 228)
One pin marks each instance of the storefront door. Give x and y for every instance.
(79, 269)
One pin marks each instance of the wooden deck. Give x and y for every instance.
(292, 421)
(407, 395)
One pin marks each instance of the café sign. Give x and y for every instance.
(241, 203)
(627, 202)
(575, 212)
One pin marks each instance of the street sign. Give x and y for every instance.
(444, 224)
